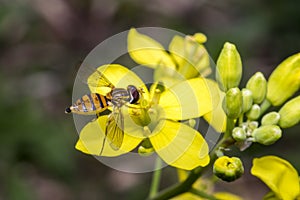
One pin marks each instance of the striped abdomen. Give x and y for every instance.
(89, 104)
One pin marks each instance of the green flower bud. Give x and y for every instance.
(258, 86)
(284, 81)
(233, 103)
(254, 112)
(229, 67)
(252, 125)
(191, 122)
(239, 134)
(267, 134)
(228, 169)
(200, 38)
(145, 149)
(290, 113)
(271, 118)
(247, 99)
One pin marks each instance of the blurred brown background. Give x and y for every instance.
(41, 44)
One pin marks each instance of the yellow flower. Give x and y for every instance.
(176, 143)
(279, 175)
(186, 57)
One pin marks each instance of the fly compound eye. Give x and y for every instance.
(134, 94)
(68, 110)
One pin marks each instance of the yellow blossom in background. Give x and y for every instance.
(176, 143)
(279, 175)
(227, 196)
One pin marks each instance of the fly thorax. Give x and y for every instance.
(120, 95)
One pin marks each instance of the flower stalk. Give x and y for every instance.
(155, 178)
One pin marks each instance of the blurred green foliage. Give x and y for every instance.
(41, 43)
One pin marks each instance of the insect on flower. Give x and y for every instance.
(95, 103)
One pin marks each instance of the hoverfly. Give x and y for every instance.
(95, 103)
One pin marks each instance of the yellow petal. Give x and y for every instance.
(176, 48)
(187, 196)
(217, 117)
(188, 99)
(118, 75)
(168, 76)
(92, 136)
(278, 174)
(179, 145)
(226, 196)
(146, 51)
(191, 57)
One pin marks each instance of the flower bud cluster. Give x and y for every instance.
(246, 106)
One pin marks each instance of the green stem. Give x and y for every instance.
(266, 104)
(229, 128)
(241, 119)
(202, 194)
(156, 178)
(181, 187)
(186, 185)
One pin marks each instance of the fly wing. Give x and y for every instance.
(115, 128)
(95, 79)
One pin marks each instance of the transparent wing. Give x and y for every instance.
(114, 132)
(98, 79)
(95, 79)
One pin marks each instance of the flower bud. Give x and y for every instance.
(284, 81)
(228, 169)
(252, 125)
(239, 134)
(271, 118)
(145, 149)
(247, 99)
(200, 38)
(254, 112)
(258, 86)
(267, 134)
(229, 67)
(290, 113)
(233, 103)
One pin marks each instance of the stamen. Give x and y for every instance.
(156, 97)
(147, 131)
